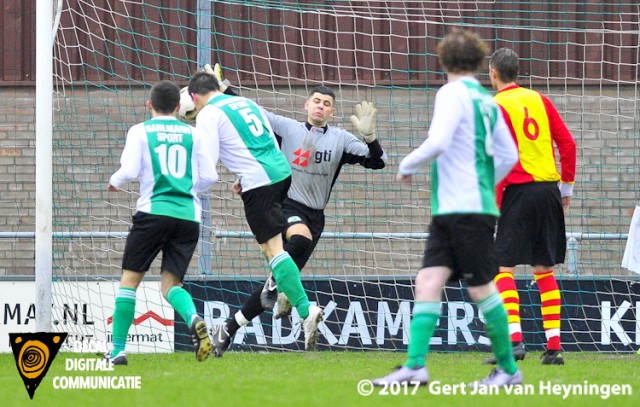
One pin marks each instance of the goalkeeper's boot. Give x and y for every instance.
(284, 307)
(310, 326)
(119, 359)
(498, 378)
(404, 374)
(200, 339)
(552, 357)
(519, 353)
(269, 294)
(221, 340)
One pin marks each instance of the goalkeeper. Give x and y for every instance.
(316, 153)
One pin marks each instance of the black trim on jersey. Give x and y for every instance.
(375, 149)
(230, 91)
(335, 177)
(311, 126)
(374, 161)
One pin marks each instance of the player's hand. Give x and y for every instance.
(236, 187)
(364, 120)
(112, 188)
(216, 72)
(566, 191)
(566, 201)
(405, 179)
(188, 110)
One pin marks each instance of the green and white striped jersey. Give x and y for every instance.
(470, 148)
(172, 163)
(238, 131)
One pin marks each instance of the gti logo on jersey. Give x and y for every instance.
(302, 157)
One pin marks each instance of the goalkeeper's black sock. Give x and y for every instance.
(232, 326)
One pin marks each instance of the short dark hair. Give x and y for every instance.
(462, 51)
(203, 83)
(505, 61)
(323, 90)
(165, 97)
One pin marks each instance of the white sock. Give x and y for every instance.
(240, 319)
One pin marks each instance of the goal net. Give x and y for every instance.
(583, 55)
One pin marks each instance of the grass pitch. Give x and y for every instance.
(327, 379)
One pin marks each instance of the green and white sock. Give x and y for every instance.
(497, 328)
(287, 277)
(423, 324)
(182, 302)
(122, 318)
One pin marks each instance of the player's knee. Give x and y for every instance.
(298, 247)
(168, 280)
(165, 287)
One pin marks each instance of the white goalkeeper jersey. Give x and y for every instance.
(238, 131)
(172, 163)
(470, 149)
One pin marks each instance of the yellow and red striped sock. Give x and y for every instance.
(550, 304)
(507, 287)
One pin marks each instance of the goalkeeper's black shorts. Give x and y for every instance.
(295, 212)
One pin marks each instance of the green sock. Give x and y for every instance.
(122, 318)
(423, 324)
(182, 302)
(497, 329)
(287, 277)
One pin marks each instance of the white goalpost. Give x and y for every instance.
(45, 32)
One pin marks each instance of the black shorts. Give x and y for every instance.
(294, 212)
(531, 228)
(149, 234)
(263, 208)
(463, 243)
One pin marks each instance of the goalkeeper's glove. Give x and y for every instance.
(364, 120)
(216, 72)
(188, 109)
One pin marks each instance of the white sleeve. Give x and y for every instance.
(446, 116)
(504, 148)
(207, 124)
(207, 174)
(131, 159)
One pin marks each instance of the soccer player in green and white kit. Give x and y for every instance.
(470, 149)
(238, 129)
(173, 164)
